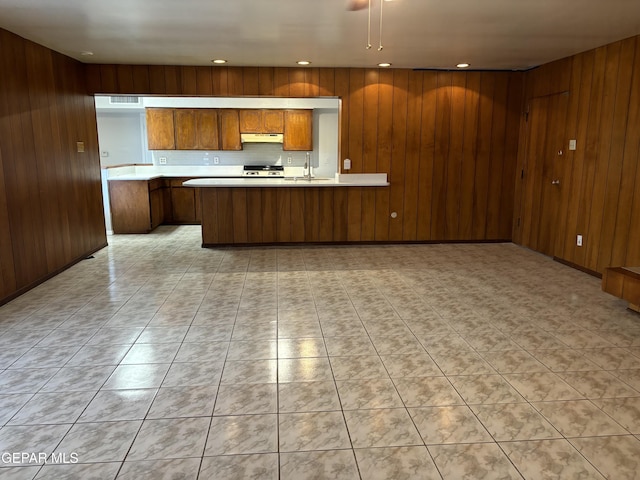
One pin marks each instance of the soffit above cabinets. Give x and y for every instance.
(488, 34)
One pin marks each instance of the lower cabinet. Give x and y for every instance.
(185, 203)
(139, 206)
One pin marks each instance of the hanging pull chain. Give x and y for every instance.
(369, 29)
(381, 4)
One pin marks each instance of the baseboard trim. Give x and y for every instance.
(578, 267)
(34, 284)
(353, 243)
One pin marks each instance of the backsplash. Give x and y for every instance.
(252, 154)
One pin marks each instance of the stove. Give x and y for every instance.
(274, 171)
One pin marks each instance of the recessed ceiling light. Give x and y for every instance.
(303, 62)
(384, 64)
(219, 60)
(463, 65)
(86, 53)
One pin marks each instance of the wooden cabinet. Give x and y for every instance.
(298, 130)
(219, 129)
(261, 121)
(160, 129)
(230, 129)
(196, 129)
(183, 202)
(137, 206)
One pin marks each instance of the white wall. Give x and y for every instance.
(121, 136)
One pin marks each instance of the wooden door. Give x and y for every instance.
(230, 129)
(208, 133)
(251, 121)
(545, 149)
(185, 127)
(298, 130)
(160, 130)
(272, 121)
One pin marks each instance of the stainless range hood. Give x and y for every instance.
(261, 137)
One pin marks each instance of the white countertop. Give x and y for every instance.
(340, 180)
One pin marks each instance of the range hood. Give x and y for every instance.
(261, 137)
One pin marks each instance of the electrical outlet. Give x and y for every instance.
(216, 160)
(289, 159)
(579, 240)
(162, 161)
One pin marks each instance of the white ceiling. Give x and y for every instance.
(489, 34)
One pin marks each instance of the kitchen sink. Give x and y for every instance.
(303, 179)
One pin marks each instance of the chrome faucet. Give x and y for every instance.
(307, 167)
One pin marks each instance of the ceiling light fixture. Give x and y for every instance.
(86, 53)
(219, 61)
(303, 62)
(463, 65)
(384, 65)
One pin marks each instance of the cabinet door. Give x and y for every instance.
(183, 204)
(273, 121)
(298, 130)
(160, 133)
(230, 130)
(208, 134)
(157, 207)
(185, 124)
(251, 121)
(130, 206)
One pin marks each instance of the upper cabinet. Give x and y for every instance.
(220, 128)
(230, 130)
(160, 130)
(298, 130)
(261, 121)
(196, 129)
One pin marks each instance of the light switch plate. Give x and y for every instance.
(572, 144)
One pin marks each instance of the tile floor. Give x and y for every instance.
(158, 359)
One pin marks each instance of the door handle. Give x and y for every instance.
(555, 182)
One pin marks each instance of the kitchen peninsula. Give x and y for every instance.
(248, 211)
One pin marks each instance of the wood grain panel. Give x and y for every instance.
(173, 80)
(283, 216)
(141, 79)
(157, 80)
(441, 155)
(7, 269)
(600, 179)
(225, 217)
(412, 160)
(204, 80)
(297, 212)
(251, 81)
(592, 244)
(483, 162)
(340, 215)
(219, 80)
(210, 209)
(50, 194)
(189, 80)
(398, 152)
(239, 206)
(469, 155)
(265, 81)
(254, 215)
(498, 135)
(454, 161)
(383, 155)
(269, 214)
(124, 76)
(427, 153)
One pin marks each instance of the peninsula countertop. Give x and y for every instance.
(340, 180)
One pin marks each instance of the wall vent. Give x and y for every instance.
(125, 99)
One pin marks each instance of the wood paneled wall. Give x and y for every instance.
(50, 195)
(447, 140)
(599, 194)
